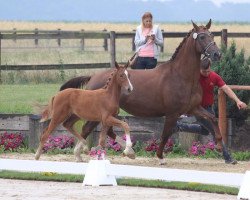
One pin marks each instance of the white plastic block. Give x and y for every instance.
(96, 174)
(244, 193)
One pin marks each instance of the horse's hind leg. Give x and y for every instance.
(69, 125)
(112, 121)
(87, 128)
(201, 112)
(44, 137)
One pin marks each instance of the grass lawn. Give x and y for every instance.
(19, 98)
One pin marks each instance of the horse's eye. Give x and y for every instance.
(121, 75)
(202, 37)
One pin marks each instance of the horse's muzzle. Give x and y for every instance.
(215, 56)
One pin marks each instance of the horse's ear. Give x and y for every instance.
(209, 24)
(116, 65)
(195, 26)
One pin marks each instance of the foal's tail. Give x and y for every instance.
(46, 113)
(77, 82)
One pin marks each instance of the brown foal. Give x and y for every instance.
(101, 105)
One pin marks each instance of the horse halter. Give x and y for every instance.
(204, 51)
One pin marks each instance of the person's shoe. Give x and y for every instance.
(231, 161)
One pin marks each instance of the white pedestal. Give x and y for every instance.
(96, 174)
(244, 192)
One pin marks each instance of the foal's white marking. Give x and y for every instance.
(128, 141)
(130, 85)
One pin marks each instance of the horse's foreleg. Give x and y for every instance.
(220, 143)
(69, 125)
(112, 121)
(167, 132)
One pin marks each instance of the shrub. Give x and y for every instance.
(234, 69)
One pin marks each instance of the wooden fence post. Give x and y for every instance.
(59, 39)
(112, 49)
(82, 41)
(162, 48)
(35, 130)
(133, 41)
(105, 41)
(222, 115)
(14, 34)
(36, 38)
(0, 58)
(224, 37)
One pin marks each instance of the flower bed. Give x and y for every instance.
(12, 141)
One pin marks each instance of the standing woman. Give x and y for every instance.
(148, 39)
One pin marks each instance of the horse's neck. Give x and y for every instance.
(187, 61)
(113, 90)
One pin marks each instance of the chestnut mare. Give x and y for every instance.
(171, 89)
(95, 105)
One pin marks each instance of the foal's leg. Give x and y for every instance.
(112, 121)
(201, 112)
(103, 135)
(89, 126)
(167, 132)
(69, 125)
(52, 125)
(116, 138)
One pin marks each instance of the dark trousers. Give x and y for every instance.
(202, 126)
(145, 63)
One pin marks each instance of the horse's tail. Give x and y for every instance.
(77, 82)
(46, 113)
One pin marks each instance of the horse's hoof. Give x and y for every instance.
(129, 152)
(231, 161)
(86, 150)
(79, 159)
(37, 157)
(162, 162)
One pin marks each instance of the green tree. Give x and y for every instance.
(235, 70)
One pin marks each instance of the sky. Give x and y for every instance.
(125, 10)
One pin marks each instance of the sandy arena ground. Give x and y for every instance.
(39, 190)
(19, 189)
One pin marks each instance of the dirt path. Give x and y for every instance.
(178, 163)
(32, 190)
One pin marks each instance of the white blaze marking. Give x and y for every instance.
(130, 85)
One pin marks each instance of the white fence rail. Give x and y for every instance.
(166, 174)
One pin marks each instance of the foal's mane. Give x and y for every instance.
(109, 79)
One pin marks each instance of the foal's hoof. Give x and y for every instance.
(129, 152)
(162, 161)
(37, 157)
(79, 159)
(86, 150)
(231, 161)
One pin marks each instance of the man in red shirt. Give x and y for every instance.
(208, 80)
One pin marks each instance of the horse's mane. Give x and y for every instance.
(180, 45)
(109, 79)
